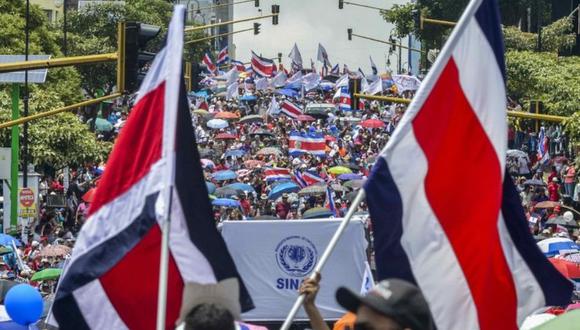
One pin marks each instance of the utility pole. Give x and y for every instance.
(25, 132)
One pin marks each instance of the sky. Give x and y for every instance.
(308, 22)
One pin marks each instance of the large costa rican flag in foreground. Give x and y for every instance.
(469, 249)
(112, 279)
(311, 143)
(262, 66)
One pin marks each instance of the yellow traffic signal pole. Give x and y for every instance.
(203, 27)
(436, 22)
(217, 36)
(517, 114)
(57, 62)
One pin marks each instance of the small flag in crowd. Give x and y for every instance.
(276, 173)
(373, 66)
(239, 66)
(280, 79)
(223, 56)
(322, 55)
(112, 279)
(232, 91)
(262, 66)
(329, 202)
(209, 64)
(310, 143)
(296, 58)
(543, 148)
(335, 70)
(306, 178)
(274, 108)
(343, 97)
(375, 87)
(480, 267)
(290, 109)
(361, 74)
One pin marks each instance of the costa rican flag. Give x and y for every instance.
(277, 173)
(239, 66)
(335, 70)
(207, 61)
(470, 251)
(310, 143)
(343, 97)
(223, 56)
(111, 281)
(543, 154)
(263, 66)
(290, 109)
(329, 202)
(299, 180)
(311, 178)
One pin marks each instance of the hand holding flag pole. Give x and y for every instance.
(324, 258)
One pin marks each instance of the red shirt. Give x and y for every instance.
(553, 193)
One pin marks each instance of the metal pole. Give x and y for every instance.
(324, 258)
(388, 43)
(57, 62)
(64, 28)
(217, 36)
(25, 133)
(365, 6)
(15, 159)
(164, 266)
(202, 27)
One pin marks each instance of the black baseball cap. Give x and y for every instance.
(395, 298)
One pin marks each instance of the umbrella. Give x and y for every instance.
(337, 187)
(252, 119)
(47, 274)
(262, 132)
(5, 250)
(226, 136)
(235, 153)
(286, 187)
(226, 115)
(562, 221)
(201, 112)
(102, 125)
(266, 217)
(317, 113)
(516, 153)
(534, 182)
(569, 269)
(210, 187)
(352, 166)
(533, 321)
(253, 163)
(207, 163)
(248, 97)
(305, 118)
(329, 138)
(269, 151)
(55, 251)
(355, 184)
(226, 192)
(287, 92)
(224, 175)
(225, 202)
(373, 123)
(7, 240)
(349, 176)
(241, 186)
(88, 196)
(313, 190)
(556, 245)
(337, 170)
(566, 321)
(546, 205)
(201, 93)
(217, 124)
(317, 212)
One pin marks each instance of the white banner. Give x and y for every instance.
(406, 82)
(273, 258)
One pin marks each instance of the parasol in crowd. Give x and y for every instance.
(569, 269)
(355, 184)
(553, 246)
(225, 202)
(7, 240)
(262, 132)
(226, 192)
(226, 136)
(286, 187)
(241, 186)
(269, 151)
(55, 251)
(560, 220)
(337, 170)
(224, 175)
(226, 115)
(47, 274)
(305, 118)
(312, 190)
(234, 153)
(252, 119)
(210, 187)
(372, 123)
(349, 176)
(317, 212)
(217, 124)
(546, 205)
(205, 163)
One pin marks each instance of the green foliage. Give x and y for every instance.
(545, 77)
(556, 37)
(402, 16)
(572, 126)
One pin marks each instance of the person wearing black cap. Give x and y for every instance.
(392, 304)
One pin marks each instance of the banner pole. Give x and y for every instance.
(324, 258)
(164, 266)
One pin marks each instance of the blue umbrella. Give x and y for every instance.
(235, 153)
(288, 92)
(7, 240)
(286, 187)
(241, 186)
(217, 123)
(317, 212)
(225, 202)
(224, 175)
(248, 97)
(552, 246)
(210, 187)
(349, 176)
(202, 93)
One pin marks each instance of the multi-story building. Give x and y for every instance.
(52, 8)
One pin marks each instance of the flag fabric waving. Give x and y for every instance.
(343, 97)
(373, 66)
(209, 64)
(262, 66)
(301, 143)
(470, 251)
(322, 56)
(290, 109)
(543, 148)
(277, 173)
(335, 70)
(223, 56)
(296, 58)
(112, 278)
(239, 66)
(329, 201)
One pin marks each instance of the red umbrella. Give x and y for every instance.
(253, 163)
(568, 268)
(373, 123)
(88, 196)
(226, 136)
(226, 115)
(305, 118)
(329, 138)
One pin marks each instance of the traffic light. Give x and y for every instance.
(349, 31)
(256, 3)
(257, 28)
(280, 58)
(275, 10)
(137, 60)
(393, 46)
(340, 4)
(417, 19)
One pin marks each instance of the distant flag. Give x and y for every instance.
(458, 117)
(209, 64)
(239, 66)
(295, 81)
(345, 69)
(312, 66)
(223, 56)
(329, 203)
(343, 96)
(283, 69)
(274, 108)
(361, 73)
(309, 143)
(276, 173)
(373, 66)
(279, 80)
(543, 147)
(311, 178)
(375, 87)
(232, 91)
(311, 80)
(342, 81)
(232, 76)
(335, 70)
(299, 180)
(364, 85)
(201, 104)
(149, 178)
(262, 66)
(296, 58)
(322, 56)
(290, 109)
(261, 84)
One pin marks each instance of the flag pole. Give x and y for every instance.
(164, 265)
(324, 258)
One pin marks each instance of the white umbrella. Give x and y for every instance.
(217, 123)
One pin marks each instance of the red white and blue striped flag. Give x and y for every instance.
(277, 173)
(290, 109)
(223, 56)
(306, 143)
(112, 279)
(262, 66)
(469, 250)
(209, 64)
